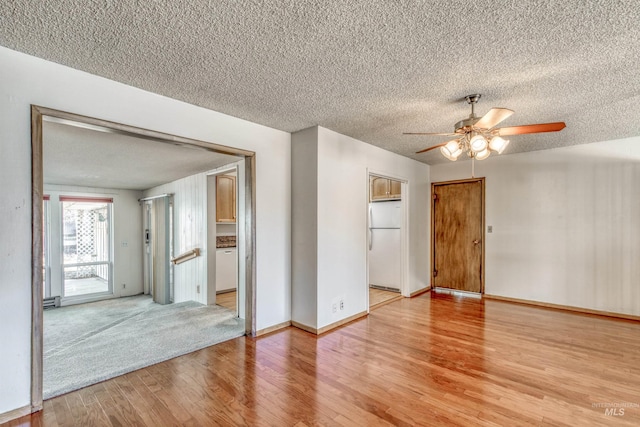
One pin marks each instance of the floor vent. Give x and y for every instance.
(51, 302)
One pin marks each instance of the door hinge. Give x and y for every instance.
(435, 273)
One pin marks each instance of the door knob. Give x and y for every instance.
(475, 242)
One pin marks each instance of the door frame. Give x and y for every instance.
(213, 174)
(110, 266)
(481, 180)
(404, 242)
(38, 113)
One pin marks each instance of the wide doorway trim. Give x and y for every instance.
(38, 113)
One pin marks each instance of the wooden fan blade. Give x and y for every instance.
(493, 117)
(433, 134)
(539, 128)
(431, 148)
(434, 147)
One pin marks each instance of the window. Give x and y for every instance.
(86, 246)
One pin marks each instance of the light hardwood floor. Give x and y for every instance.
(378, 297)
(430, 360)
(227, 299)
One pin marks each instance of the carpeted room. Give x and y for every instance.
(132, 234)
(88, 343)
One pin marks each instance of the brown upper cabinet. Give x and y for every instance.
(225, 198)
(384, 188)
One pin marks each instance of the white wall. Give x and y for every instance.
(194, 227)
(127, 237)
(342, 181)
(566, 224)
(26, 80)
(343, 184)
(189, 232)
(304, 227)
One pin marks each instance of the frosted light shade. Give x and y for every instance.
(454, 148)
(478, 143)
(498, 144)
(445, 152)
(483, 154)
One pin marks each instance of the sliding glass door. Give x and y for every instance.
(86, 246)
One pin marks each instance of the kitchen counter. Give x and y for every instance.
(225, 242)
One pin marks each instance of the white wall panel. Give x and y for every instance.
(566, 224)
(189, 232)
(304, 227)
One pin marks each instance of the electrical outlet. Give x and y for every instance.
(124, 285)
(490, 229)
(341, 304)
(198, 289)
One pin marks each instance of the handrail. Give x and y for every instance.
(186, 256)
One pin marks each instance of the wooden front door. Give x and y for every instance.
(457, 235)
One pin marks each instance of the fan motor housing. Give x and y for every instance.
(466, 125)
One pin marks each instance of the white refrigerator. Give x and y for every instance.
(385, 224)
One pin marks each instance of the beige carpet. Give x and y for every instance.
(88, 343)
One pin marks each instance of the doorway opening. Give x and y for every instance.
(387, 222)
(86, 246)
(113, 232)
(457, 236)
(226, 211)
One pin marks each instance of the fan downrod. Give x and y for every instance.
(465, 125)
(472, 99)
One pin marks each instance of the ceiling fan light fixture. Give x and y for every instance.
(454, 148)
(449, 155)
(478, 143)
(479, 136)
(482, 154)
(498, 144)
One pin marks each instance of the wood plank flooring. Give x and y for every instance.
(227, 299)
(433, 360)
(379, 297)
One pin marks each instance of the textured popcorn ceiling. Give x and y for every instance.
(73, 155)
(367, 69)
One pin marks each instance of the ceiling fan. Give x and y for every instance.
(478, 136)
